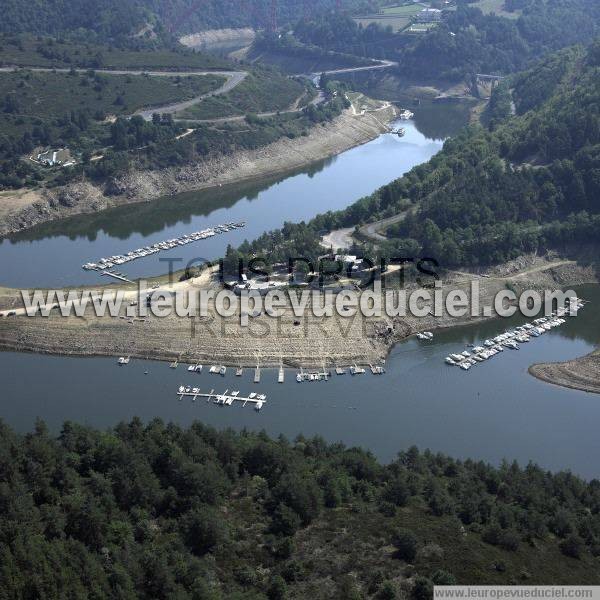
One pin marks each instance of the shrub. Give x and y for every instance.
(405, 542)
(572, 546)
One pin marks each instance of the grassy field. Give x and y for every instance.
(495, 6)
(34, 98)
(398, 17)
(259, 92)
(47, 52)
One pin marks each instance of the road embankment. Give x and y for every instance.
(20, 210)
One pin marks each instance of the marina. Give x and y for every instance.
(303, 374)
(419, 401)
(104, 264)
(52, 254)
(511, 339)
(225, 399)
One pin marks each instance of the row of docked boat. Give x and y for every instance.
(324, 375)
(425, 335)
(512, 338)
(227, 398)
(188, 238)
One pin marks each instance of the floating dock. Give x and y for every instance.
(257, 374)
(118, 259)
(512, 338)
(281, 375)
(225, 399)
(116, 276)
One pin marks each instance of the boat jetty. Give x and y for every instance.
(119, 259)
(227, 398)
(512, 338)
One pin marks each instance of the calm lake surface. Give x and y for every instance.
(51, 255)
(494, 411)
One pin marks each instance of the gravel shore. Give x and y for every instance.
(307, 341)
(580, 374)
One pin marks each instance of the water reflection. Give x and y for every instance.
(52, 254)
(150, 217)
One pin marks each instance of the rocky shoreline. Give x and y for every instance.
(19, 210)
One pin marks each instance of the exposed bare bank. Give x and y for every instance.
(308, 341)
(21, 210)
(580, 374)
(211, 37)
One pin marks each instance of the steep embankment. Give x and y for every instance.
(19, 210)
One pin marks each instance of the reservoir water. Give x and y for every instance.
(494, 411)
(51, 255)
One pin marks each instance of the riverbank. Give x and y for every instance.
(582, 373)
(21, 209)
(308, 341)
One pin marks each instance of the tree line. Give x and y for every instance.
(157, 511)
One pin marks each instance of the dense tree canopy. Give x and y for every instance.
(525, 183)
(157, 511)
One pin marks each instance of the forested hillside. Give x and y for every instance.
(532, 182)
(465, 42)
(523, 183)
(114, 18)
(158, 511)
(470, 42)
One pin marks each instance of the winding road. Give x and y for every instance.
(233, 79)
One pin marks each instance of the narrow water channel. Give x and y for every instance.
(51, 255)
(494, 411)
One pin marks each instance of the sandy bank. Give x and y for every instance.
(21, 210)
(580, 374)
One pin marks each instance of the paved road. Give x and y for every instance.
(372, 230)
(382, 64)
(317, 100)
(234, 78)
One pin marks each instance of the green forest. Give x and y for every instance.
(523, 183)
(158, 511)
(114, 19)
(467, 41)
